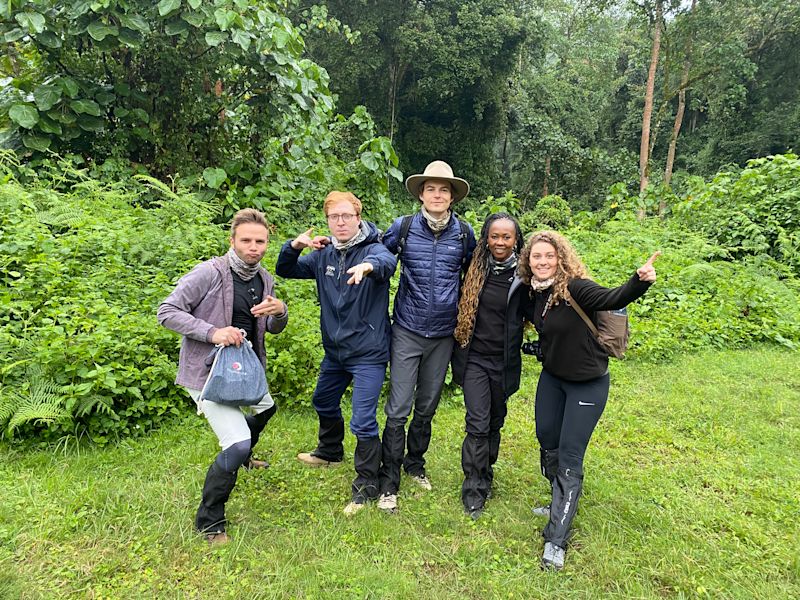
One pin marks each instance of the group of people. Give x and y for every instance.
(458, 301)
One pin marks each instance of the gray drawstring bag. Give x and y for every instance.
(237, 377)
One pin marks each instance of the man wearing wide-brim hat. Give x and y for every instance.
(434, 246)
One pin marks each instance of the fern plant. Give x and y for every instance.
(39, 400)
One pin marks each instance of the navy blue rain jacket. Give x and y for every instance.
(354, 319)
(426, 302)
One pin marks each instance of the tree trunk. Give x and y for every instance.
(676, 127)
(644, 148)
(546, 175)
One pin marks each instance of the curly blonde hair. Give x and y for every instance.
(569, 267)
(476, 277)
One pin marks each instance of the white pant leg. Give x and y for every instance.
(226, 421)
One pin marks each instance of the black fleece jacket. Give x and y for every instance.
(569, 348)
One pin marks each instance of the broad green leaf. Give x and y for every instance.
(122, 89)
(215, 38)
(241, 38)
(176, 27)
(167, 6)
(136, 22)
(46, 96)
(99, 30)
(90, 123)
(224, 18)
(120, 112)
(24, 115)
(130, 38)
(49, 39)
(105, 98)
(67, 118)
(48, 125)
(368, 160)
(69, 86)
(32, 21)
(214, 177)
(89, 107)
(194, 19)
(280, 36)
(141, 115)
(13, 35)
(396, 173)
(36, 142)
(195, 4)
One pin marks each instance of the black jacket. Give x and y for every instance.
(569, 348)
(519, 308)
(354, 319)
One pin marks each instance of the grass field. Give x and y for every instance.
(692, 490)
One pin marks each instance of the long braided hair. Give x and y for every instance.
(476, 277)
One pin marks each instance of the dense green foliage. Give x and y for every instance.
(84, 271)
(688, 494)
(218, 95)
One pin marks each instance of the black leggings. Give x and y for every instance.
(566, 415)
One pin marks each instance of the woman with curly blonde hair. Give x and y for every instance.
(487, 361)
(574, 382)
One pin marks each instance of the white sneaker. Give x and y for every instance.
(553, 557)
(388, 502)
(353, 508)
(542, 511)
(422, 481)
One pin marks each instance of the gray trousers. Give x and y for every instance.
(418, 368)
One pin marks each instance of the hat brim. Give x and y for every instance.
(460, 186)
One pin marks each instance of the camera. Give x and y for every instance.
(534, 349)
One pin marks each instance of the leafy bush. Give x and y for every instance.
(697, 302)
(755, 212)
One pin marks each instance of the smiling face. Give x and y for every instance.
(436, 196)
(249, 241)
(543, 261)
(501, 239)
(343, 220)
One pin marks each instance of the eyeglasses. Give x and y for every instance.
(346, 218)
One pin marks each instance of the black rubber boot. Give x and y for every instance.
(475, 464)
(419, 438)
(217, 489)
(494, 453)
(256, 424)
(393, 446)
(367, 462)
(567, 488)
(331, 439)
(548, 460)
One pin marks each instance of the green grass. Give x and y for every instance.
(692, 490)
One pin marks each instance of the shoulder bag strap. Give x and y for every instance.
(582, 314)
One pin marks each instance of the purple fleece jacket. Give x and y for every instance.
(201, 303)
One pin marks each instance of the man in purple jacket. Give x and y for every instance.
(219, 302)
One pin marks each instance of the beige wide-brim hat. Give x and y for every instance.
(438, 169)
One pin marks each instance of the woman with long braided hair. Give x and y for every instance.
(487, 361)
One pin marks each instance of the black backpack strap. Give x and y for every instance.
(464, 237)
(404, 227)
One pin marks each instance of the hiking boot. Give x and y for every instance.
(388, 503)
(553, 557)
(312, 460)
(541, 511)
(353, 508)
(474, 512)
(217, 538)
(422, 481)
(254, 463)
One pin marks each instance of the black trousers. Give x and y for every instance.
(567, 413)
(485, 401)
